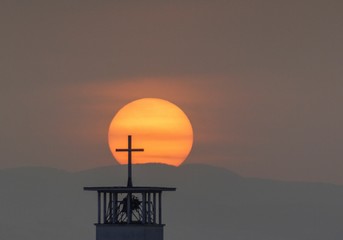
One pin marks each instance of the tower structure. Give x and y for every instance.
(131, 212)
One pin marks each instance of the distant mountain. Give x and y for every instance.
(210, 203)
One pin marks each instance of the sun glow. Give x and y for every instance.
(158, 126)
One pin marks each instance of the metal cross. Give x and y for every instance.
(129, 151)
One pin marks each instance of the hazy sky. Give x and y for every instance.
(261, 81)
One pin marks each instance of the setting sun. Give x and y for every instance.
(158, 126)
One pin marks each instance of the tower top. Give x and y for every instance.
(135, 206)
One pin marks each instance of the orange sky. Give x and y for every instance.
(261, 83)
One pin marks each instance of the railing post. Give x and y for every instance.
(154, 206)
(104, 207)
(144, 207)
(128, 210)
(149, 208)
(114, 207)
(99, 207)
(160, 207)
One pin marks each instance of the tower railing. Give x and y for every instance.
(135, 205)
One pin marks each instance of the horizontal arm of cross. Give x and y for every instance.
(131, 150)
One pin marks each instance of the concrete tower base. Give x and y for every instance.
(129, 232)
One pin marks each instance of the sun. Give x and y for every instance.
(158, 126)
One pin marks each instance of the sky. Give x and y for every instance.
(261, 81)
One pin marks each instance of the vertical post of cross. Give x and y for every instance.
(129, 164)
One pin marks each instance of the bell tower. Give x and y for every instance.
(131, 212)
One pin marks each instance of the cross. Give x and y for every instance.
(129, 151)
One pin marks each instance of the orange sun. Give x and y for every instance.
(158, 126)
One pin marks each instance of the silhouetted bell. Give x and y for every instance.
(135, 204)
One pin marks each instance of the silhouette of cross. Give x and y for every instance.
(129, 151)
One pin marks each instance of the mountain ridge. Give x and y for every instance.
(210, 202)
